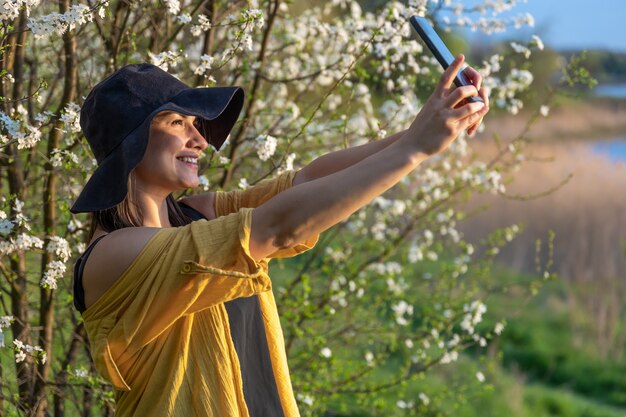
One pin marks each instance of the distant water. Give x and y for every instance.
(615, 149)
(611, 90)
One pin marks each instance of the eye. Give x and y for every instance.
(178, 122)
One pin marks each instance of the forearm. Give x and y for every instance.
(314, 206)
(336, 161)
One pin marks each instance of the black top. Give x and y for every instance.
(79, 290)
(247, 332)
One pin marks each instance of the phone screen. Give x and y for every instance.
(440, 50)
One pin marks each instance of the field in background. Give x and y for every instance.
(585, 119)
(588, 216)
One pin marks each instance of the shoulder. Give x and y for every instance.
(111, 256)
(204, 203)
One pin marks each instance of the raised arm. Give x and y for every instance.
(315, 206)
(336, 161)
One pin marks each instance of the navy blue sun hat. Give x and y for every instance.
(116, 116)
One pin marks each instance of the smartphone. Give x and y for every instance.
(440, 51)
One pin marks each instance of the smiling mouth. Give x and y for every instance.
(189, 160)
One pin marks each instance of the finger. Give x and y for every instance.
(446, 80)
(474, 76)
(484, 94)
(459, 94)
(473, 128)
(475, 117)
(467, 110)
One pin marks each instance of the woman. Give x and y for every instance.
(180, 314)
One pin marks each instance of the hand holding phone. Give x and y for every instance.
(440, 51)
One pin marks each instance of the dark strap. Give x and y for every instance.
(248, 334)
(191, 212)
(79, 290)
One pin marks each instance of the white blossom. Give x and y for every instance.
(544, 110)
(305, 398)
(164, 60)
(60, 247)
(423, 398)
(18, 344)
(20, 356)
(449, 357)
(10, 9)
(71, 118)
(26, 135)
(29, 139)
(203, 25)
(184, 18)
(206, 62)
(405, 404)
(473, 315)
(402, 309)
(265, 146)
(56, 158)
(537, 42)
(5, 321)
(21, 242)
(243, 183)
(415, 253)
(326, 352)
(5, 226)
(55, 270)
(288, 164)
(60, 23)
(204, 182)
(173, 6)
(21, 349)
(254, 15)
(480, 376)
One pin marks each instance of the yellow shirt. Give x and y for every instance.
(160, 334)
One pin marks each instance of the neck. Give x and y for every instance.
(154, 210)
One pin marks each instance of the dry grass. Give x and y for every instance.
(596, 118)
(588, 215)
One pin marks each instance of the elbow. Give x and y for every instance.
(289, 230)
(284, 241)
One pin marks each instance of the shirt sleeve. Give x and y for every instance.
(233, 201)
(179, 272)
(227, 202)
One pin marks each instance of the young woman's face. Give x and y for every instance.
(171, 159)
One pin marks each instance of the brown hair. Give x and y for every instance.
(128, 213)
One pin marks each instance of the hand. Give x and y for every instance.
(446, 113)
(477, 80)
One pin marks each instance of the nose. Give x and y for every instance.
(196, 138)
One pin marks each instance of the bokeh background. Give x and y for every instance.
(489, 283)
(563, 352)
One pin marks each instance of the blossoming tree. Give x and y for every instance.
(382, 300)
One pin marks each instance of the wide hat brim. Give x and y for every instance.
(218, 107)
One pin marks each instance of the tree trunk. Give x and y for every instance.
(46, 309)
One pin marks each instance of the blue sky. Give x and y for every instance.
(589, 24)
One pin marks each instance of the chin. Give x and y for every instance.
(191, 184)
